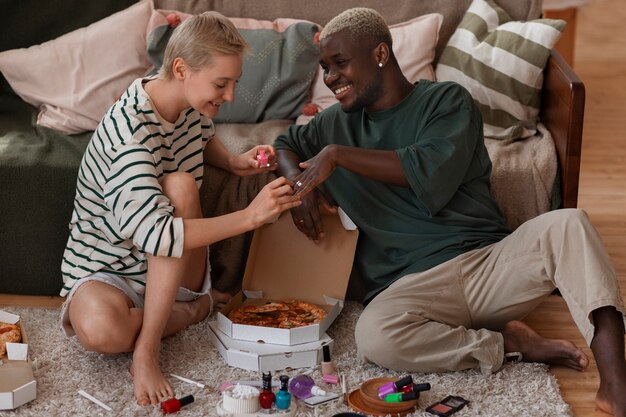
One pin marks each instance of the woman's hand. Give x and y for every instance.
(273, 199)
(250, 162)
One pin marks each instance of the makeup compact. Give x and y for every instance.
(448, 406)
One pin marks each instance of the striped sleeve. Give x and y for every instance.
(134, 196)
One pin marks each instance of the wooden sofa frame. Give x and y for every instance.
(562, 111)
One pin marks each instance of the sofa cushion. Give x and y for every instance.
(321, 11)
(501, 62)
(75, 78)
(414, 45)
(277, 74)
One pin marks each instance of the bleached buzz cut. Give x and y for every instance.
(364, 24)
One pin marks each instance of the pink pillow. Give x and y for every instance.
(414, 44)
(74, 79)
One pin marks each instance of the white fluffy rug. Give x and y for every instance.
(62, 368)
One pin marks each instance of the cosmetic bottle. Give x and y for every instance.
(391, 387)
(302, 387)
(327, 366)
(416, 387)
(267, 397)
(174, 404)
(283, 397)
(401, 396)
(262, 158)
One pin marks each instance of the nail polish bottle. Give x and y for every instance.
(302, 387)
(401, 396)
(262, 158)
(391, 387)
(267, 397)
(327, 366)
(283, 397)
(416, 387)
(174, 404)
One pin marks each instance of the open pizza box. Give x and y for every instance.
(262, 357)
(17, 382)
(283, 264)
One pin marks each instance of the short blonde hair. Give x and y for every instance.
(197, 39)
(362, 23)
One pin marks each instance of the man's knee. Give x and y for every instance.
(371, 340)
(182, 190)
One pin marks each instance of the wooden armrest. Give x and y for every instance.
(562, 110)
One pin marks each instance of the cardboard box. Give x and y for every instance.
(283, 264)
(17, 382)
(261, 357)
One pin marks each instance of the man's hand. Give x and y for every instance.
(307, 216)
(316, 171)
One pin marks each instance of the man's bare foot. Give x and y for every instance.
(149, 383)
(518, 337)
(219, 299)
(610, 398)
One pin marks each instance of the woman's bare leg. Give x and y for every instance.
(165, 276)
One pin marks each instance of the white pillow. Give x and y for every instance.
(74, 79)
(414, 44)
(501, 63)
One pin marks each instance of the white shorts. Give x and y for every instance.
(136, 298)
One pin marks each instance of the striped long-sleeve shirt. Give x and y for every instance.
(120, 211)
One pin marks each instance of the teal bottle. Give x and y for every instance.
(283, 397)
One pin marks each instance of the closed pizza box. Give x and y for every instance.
(283, 264)
(17, 382)
(262, 357)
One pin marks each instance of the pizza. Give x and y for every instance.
(8, 333)
(282, 314)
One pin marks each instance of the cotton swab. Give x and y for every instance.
(94, 400)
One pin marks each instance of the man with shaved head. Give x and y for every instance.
(446, 281)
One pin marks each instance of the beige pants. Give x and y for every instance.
(448, 318)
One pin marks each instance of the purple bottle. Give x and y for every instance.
(303, 386)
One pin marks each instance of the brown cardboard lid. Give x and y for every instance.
(284, 264)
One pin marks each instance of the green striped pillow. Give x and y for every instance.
(501, 63)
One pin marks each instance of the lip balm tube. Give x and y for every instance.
(330, 379)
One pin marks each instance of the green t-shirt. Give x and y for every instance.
(448, 209)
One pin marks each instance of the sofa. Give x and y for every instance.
(39, 164)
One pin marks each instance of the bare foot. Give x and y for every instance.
(610, 399)
(194, 311)
(518, 337)
(219, 299)
(149, 383)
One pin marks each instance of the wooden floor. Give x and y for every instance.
(600, 61)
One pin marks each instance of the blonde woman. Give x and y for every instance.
(135, 268)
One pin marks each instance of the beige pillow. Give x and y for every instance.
(414, 44)
(74, 79)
